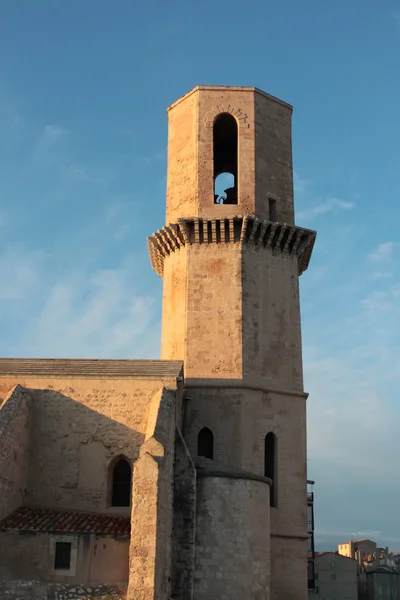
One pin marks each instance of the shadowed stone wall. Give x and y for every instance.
(184, 528)
(100, 569)
(232, 539)
(78, 426)
(14, 449)
(150, 555)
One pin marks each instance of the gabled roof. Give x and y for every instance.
(76, 367)
(335, 554)
(47, 520)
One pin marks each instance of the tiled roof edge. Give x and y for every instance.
(138, 369)
(46, 520)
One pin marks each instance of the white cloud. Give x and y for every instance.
(3, 219)
(382, 300)
(157, 156)
(19, 273)
(54, 133)
(121, 232)
(48, 149)
(96, 314)
(352, 436)
(301, 185)
(352, 372)
(312, 206)
(384, 252)
(10, 122)
(53, 152)
(115, 211)
(328, 205)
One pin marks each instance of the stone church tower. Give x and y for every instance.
(182, 478)
(230, 265)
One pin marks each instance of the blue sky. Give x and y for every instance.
(84, 88)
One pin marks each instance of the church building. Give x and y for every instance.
(182, 478)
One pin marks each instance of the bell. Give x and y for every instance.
(231, 196)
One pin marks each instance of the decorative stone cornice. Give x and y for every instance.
(278, 238)
(241, 117)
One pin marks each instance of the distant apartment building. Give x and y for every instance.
(373, 561)
(350, 549)
(379, 574)
(335, 577)
(379, 583)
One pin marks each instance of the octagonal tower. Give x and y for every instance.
(230, 260)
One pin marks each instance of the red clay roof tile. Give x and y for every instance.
(28, 518)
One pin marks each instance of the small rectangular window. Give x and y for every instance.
(272, 209)
(333, 576)
(62, 559)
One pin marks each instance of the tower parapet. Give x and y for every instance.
(281, 238)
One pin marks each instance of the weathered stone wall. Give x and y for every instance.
(150, 552)
(182, 172)
(232, 540)
(288, 555)
(211, 326)
(240, 419)
(271, 338)
(37, 590)
(232, 311)
(100, 566)
(273, 158)
(14, 449)
(184, 527)
(79, 425)
(173, 342)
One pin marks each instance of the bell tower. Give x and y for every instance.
(239, 130)
(230, 256)
(230, 262)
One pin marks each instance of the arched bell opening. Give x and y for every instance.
(225, 153)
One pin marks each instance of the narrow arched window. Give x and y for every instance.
(270, 462)
(121, 483)
(205, 443)
(225, 147)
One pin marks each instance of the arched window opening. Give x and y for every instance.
(205, 443)
(272, 209)
(223, 183)
(270, 466)
(225, 146)
(121, 484)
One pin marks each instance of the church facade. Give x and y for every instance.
(185, 477)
